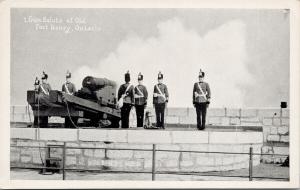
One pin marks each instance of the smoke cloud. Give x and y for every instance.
(179, 53)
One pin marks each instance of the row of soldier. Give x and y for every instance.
(137, 96)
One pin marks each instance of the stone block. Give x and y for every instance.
(216, 112)
(171, 163)
(266, 149)
(272, 138)
(118, 135)
(283, 130)
(23, 133)
(199, 147)
(25, 159)
(281, 150)
(172, 119)
(284, 138)
(232, 112)
(143, 154)
(227, 160)
(285, 121)
(218, 137)
(177, 111)
(87, 144)
(93, 162)
(113, 164)
(248, 112)
(37, 156)
(205, 160)
(253, 137)
(276, 121)
(285, 112)
(168, 147)
(73, 151)
(250, 119)
(137, 164)
(273, 130)
(214, 120)
(71, 160)
(186, 163)
(235, 121)
(225, 120)
(81, 161)
(119, 154)
(92, 135)
(189, 137)
(58, 134)
(267, 129)
(99, 153)
(188, 120)
(268, 112)
(267, 121)
(220, 148)
(88, 152)
(14, 157)
(157, 137)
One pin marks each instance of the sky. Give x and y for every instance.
(244, 53)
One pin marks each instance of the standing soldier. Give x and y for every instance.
(140, 98)
(44, 88)
(126, 93)
(160, 98)
(68, 87)
(201, 100)
(43, 99)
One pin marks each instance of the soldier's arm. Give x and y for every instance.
(194, 90)
(145, 93)
(63, 88)
(166, 92)
(132, 93)
(208, 91)
(49, 87)
(120, 92)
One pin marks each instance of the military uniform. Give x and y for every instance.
(201, 99)
(140, 99)
(160, 98)
(68, 87)
(128, 100)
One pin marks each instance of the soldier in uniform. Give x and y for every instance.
(160, 99)
(44, 88)
(43, 99)
(201, 100)
(68, 87)
(140, 98)
(126, 92)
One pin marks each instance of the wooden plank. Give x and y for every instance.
(54, 111)
(91, 105)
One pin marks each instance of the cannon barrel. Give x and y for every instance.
(95, 84)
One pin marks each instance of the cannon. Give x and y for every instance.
(95, 103)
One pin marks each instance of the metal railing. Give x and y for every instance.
(153, 171)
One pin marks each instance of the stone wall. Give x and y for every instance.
(275, 123)
(107, 158)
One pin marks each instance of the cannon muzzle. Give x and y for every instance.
(95, 84)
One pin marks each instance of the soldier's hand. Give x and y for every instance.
(194, 105)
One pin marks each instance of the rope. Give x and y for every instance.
(38, 133)
(69, 115)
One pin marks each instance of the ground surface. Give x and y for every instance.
(262, 170)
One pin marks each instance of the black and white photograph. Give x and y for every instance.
(152, 94)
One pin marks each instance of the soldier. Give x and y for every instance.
(140, 98)
(126, 93)
(43, 99)
(160, 99)
(44, 88)
(68, 87)
(201, 100)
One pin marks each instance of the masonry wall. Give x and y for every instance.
(275, 123)
(134, 160)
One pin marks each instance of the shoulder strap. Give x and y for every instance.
(127, 88)
(163, 95)
(67, 90)
(47, 93)
(142, 94)
(202, 93)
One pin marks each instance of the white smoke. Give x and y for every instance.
(179, 53)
